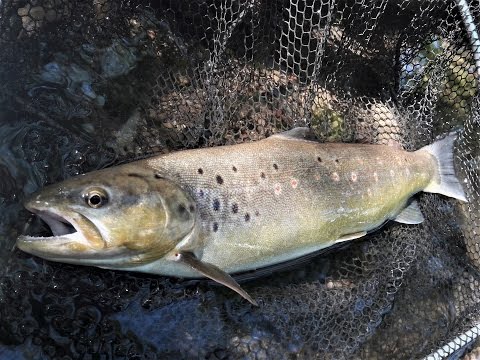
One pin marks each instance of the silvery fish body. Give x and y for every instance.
(235, 208)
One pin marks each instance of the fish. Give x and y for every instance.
(214, 212)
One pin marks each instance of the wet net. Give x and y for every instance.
(90, 84)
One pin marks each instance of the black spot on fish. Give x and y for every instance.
(275, 166)
(262, 175)
(158, 176)
(234, 169)
(216, 204)
(215, 227)
(219, 180)
(200, 171)
(319, 159)
(181, 209)
(257, 213)
(234, 208)
(201, 193)
(191, 208)
(247, 217)
(336, 160)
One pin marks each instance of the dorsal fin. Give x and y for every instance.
(298, 133)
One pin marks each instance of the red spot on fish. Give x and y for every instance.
(317, 177)
(294, 183)
(278, 189)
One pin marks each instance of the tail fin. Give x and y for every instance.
(447, 183)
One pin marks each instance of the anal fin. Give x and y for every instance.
(212, 272)
(351, 236)
(410, 215)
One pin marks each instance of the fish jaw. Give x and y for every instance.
(73, 234)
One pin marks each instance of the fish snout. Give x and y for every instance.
(35, 203)
(46, 198)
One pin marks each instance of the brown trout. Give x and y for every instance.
(216, 211)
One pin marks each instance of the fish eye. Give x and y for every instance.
(96, 198)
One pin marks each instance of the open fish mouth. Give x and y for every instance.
(72, 238)
(62, 228)
(68, 237)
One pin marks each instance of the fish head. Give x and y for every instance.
(113, 218)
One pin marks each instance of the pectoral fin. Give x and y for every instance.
(410, 215)
(351, 236)
(212, 272)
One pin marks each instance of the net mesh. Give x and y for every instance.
(89, 84)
